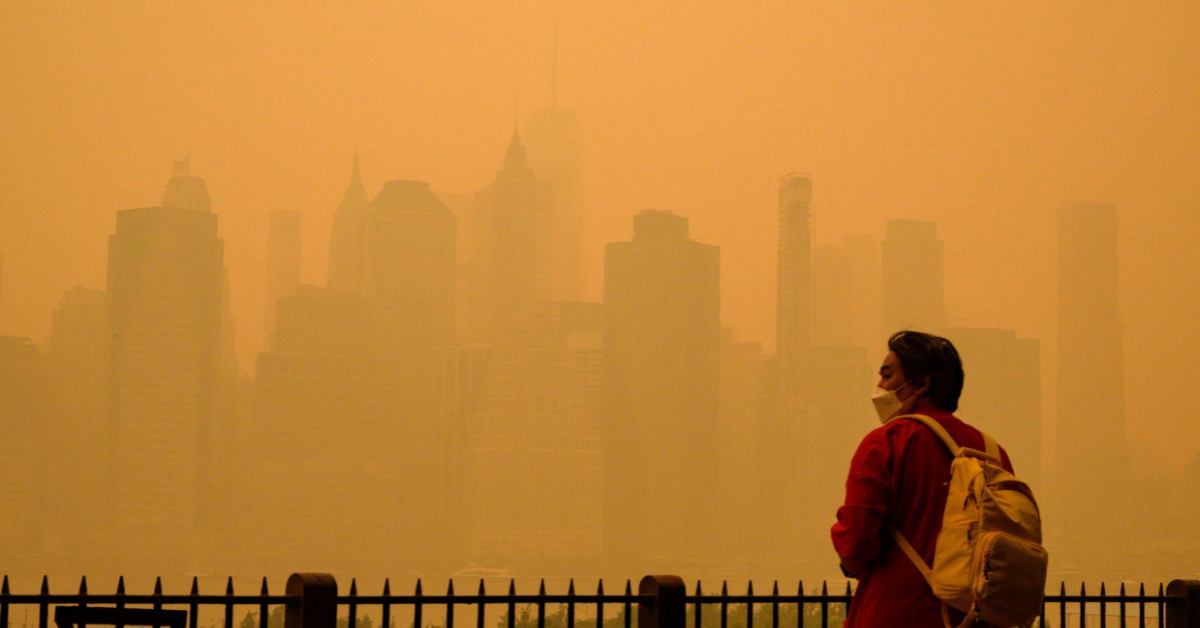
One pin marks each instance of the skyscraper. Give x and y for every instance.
(345, 242)
(784, 456)
(519, 243)
(23, 444)
(556, 155)
(913, 265)
(165, 288)
(283, 261)
(662, 344)
(185, 190)
(1092, 458)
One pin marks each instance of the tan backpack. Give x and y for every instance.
(989, 562)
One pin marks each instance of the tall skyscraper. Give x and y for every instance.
(783, 455)
(408, 247)
(793, 333)
(1092, 459)
(913, 265)
(519, 243)
(283, 261)
(346, 240)
(556, 155)
(662, 344)
(165, 289)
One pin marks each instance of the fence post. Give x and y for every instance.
(1184, 612)
(316, 603)
(669, 608)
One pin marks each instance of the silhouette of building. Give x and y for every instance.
(833, 297)
(283, 261)
(408, 268)
(1092, 458)
(24, 413)
(662, 351)
(913, 278)
(164, 311)
(517, 244)
(1003, 393)
(555, 149)
(328, 401)
(534, 453)
(346, 239)
(783, 451)
(186, 191)
(77, 357)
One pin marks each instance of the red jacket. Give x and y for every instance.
(898, 474)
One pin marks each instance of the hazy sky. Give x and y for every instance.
(983, 116)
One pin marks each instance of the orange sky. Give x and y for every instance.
(981, 116)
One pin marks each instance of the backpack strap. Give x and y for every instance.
(937, 428)
(990, 444)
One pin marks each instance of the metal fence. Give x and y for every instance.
(311, 600)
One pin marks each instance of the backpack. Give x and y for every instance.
(989, 562)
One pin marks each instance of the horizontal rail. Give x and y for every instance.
(498, 598)
(75, 598)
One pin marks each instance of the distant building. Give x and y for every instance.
(913, 263)
(834, 284)
(1003, 393)
(794, 308)
(660, 425)
(24, 413)
(346, 239)
(534, 455)
(742, 391)
(185, 190)
(330, 483)
(556, 155)
(518, 244)
(283, 261)
(1092, 456)
(164, 311)
(77, 358)
(863, 252)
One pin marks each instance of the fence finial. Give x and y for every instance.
(354, 586)
(724, 588)
(83, 586)
(512, 586)
(775, 590)
(387, 588)
(45, 585)
(158, 585)
(121, 585)
(418, 590)
(229, 586)
(542, 588)
(4, 587)
(570, 587)
(195, 585)
(750, 587)
(481, 592)
(450, 589)
(600, 587)
(264, 586)
(628, 588)
(698, 593)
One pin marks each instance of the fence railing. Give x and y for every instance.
(311, 600)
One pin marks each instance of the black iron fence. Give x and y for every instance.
(311, 600)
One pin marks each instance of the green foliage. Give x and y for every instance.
(526, 617)
(710, 615)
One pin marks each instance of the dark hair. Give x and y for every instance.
(925, 355)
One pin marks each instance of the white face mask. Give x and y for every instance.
(887, 404)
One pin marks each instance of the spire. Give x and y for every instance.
(514, 157)
(355, 197)
(554, 63)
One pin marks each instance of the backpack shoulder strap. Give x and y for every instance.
(990, 444)
(937, 428)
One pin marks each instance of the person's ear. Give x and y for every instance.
(923, 387)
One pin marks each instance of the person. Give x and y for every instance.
(899, 476)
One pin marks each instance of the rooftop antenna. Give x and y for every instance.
(554, 63)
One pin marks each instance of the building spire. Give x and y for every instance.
(355, 197)
(554, 63)
(514, 157)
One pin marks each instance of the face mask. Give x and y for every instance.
(887, 404)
